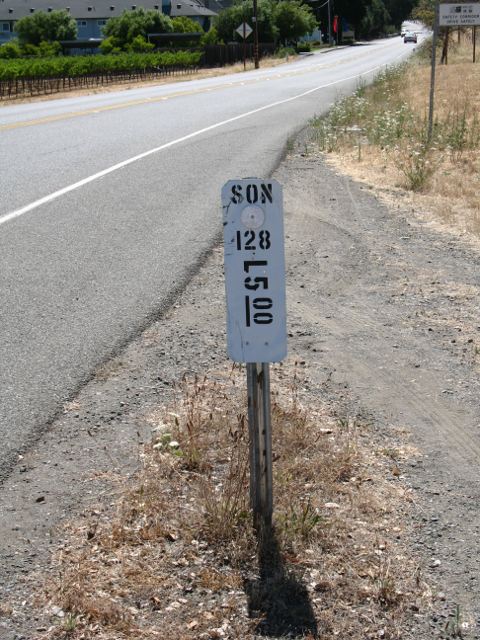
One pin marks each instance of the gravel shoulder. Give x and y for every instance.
(383, 311)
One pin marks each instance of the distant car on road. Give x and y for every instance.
(410, 36)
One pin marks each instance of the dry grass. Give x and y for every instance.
(178, 558)
(379, 137)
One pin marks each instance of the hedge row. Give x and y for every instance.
(76, 66)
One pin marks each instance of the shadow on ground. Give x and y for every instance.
(278, 596)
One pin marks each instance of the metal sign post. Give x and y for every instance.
(244, 30)
(244, 46)
(261, 489)
(256, 314)
(432, 75)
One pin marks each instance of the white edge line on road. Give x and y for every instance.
(81, 183)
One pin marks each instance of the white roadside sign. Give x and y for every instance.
(254, 270)
(459, 15)
(244, 30)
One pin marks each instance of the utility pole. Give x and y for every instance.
(255, 35)
(329, 25)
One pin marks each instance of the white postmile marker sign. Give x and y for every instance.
(254, 270)
(256, 315)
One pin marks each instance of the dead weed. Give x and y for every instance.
(179, 558)
(379, 137)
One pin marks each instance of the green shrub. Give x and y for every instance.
(110, 45)
(283, 52)
(29, 50)
(10, 50)
(211, 37)
(75, 66)
(140, 45)
(303, 47)
(47, 49)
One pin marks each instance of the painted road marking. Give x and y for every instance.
(87, 112)
(120, 165)
(177, 94)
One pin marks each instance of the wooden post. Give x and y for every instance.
(255, 35)
(474, 43)
(330, 41)
(444, 59)
(259, 424)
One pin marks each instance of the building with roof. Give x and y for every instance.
(92, 15)
(194, 9)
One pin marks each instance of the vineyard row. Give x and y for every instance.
(30, 77)
(29, 87)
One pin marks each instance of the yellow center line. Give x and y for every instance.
(177, 94)
(87, 112)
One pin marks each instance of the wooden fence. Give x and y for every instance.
(28, 87)
(214, 56)
(219, 55)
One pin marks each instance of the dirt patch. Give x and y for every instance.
(450, 205)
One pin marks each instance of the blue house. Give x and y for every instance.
(92, 15)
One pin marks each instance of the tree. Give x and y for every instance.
(375, 21)
(399, 10)
(293, 20)
(353, 11)
(230, 19)
(46, 27)
(122, 31)
(182, 24)
(425, 12)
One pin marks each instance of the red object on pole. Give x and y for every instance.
(335, 24)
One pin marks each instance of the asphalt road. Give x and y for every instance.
(110, 201)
